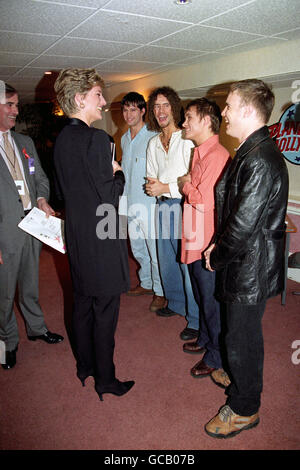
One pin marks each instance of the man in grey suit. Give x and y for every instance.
(23, 185)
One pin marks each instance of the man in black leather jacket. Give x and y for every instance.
(248, 253)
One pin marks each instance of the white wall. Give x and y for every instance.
(277, 60)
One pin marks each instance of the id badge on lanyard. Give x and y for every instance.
(20, 187)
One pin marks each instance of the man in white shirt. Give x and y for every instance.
(168, 158)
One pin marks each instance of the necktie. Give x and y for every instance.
(14, 169)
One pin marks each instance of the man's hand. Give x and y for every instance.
(182, 180)
(44, 206)
(207, 256)
(116, 166)
(155, 188)
(1, 259)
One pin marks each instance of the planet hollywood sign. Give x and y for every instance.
(286, 133)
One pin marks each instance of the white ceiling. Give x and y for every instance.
(129, 39)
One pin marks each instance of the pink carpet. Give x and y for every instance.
(44, 406)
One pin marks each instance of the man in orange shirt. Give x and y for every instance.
(202, 124)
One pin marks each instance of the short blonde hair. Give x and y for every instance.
(258, 94)
(71, 81)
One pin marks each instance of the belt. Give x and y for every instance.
(27, 211)
(164, 198)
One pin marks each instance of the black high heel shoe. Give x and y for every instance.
(83, 377)
(116, 388)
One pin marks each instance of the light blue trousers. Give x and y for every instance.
(143, 246)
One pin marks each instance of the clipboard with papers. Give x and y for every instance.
(48, 230)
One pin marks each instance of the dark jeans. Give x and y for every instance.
(245, 356)
(203, 283)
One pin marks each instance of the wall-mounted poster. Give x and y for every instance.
(286, 133)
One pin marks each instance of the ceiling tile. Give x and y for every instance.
(23, 42)
(202, 38)
(255, 44)
(291, 34)
(193, 12)
(121, 27)
(39, 17)
(159, 54)
(59, 62)
(129, 39)
(89, 48)
(204, 57)
(10, 58)
(80, 3)
(263, 17)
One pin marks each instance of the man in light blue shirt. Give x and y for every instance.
(136, 204)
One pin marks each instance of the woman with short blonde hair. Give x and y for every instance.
(90, 182)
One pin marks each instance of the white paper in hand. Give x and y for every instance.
(48, 230)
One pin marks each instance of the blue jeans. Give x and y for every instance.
(175, 276)
(203, 282)
(144, 250)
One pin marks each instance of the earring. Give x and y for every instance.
(81, 105)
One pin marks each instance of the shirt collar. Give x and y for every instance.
(4, 132)
(204, 148)
(140, 132)
(174, 135)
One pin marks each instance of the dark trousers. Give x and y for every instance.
(245, 356)
(203, 283)
(94, 323)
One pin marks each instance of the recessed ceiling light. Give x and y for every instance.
(182, 2)
(48, 73)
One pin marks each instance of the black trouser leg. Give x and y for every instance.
(106, 313)
(245, 353)
(94, 324)
(82, 329)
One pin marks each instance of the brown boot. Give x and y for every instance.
(139, 290)
(157, 303)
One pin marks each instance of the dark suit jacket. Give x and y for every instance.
(83, 164)
(11, 208)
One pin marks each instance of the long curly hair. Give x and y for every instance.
(174, 101)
